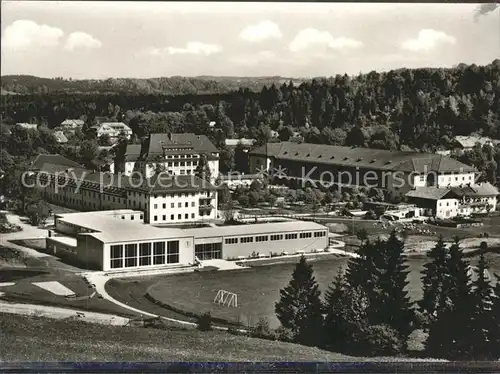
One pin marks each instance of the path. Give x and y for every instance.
(62, 313)
(99, 283)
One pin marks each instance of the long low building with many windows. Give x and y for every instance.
(113, 241)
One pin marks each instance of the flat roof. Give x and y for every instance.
(255, 228)
(66, 240)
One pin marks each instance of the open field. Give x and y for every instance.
(24, 291)
(258, 288)
(26, 338)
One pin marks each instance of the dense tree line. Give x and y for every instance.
(367, 310)
(28, 84)
(399, 109)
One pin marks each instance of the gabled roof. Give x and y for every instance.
(113, 126)
(430, 193)
(73, 122)
(373, 159)
(161, 183)
(470, 141)
(483, 189)
(60, 137)
(242, 141)
(157, 142)
(54, 159)
(133, 152)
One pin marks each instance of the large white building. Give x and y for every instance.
(178, 154)
(117, 241)
(164, 199)
(113, 130)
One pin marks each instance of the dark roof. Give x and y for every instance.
(133, 152)
(375, 159)
(54, 159)
(158, 184)
(429, 193)
(200, 143)
(484, 189)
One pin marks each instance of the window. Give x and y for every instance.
(186, 205)
(123, 217)
(116, 255)
(156, 206)
(319, 234)
(132, 218)
(172, 205)
(277, 237)
(262, 238)
(422, 178)
(144, 254)
(164, 217)
(159, 253)
(164, 205)
(130, 255)
(141, 217)
(192, 203)
(192, 215)
(208, 251)
(247, 239)
(173, 252)
(179, 205)
(291, 236)
(231, 241)
(172, 217)
(155, 218)
(186, 216)
(304, 235)
(179, 216)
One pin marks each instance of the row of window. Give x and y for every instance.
(208, 251)
(183, 156)
(128, 256)
(172, 217)
(422, 178)
(274, 237)
(179, 205)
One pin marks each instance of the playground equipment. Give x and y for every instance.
(226, 298)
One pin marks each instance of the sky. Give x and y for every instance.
(85, 40)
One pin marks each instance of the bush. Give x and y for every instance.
(483, 245)
(261, 330)
(380, 340)
(283, 334)
(234, 331)
(204, 322)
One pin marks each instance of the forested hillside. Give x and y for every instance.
(28, 84)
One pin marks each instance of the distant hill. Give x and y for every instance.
(28, 84)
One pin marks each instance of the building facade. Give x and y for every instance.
(163, 199)
(177, 154)
(115, 243)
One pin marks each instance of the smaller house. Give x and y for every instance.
(466, 143)
(113, 129)
(60, 137)
(72, 124)
(27, 126)
(54, 159)
(246, 143)
(233, 181)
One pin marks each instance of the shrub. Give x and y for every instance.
(204, 322)
(234, 331)
(380, 340)
(283, 334)
(261, 330)
(483, 245)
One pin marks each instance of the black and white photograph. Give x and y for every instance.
(249, 182)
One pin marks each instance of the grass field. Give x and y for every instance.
(258, 288)
(38, 339)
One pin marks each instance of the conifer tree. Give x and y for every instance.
(494, 332)
(335, 329)
(451, 329)
(394, 307)
(434, 275)
(299, 308)
(482, 319)
(202, 170)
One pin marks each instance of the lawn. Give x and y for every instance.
(26, 338)
(258, 288)
(25, 292)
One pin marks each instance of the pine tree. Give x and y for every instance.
(335, 325)
(299, 308)
(450, 330)
(482, 319)
(433, 279)
(494, 331)
(394, 307)
(202, 170)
